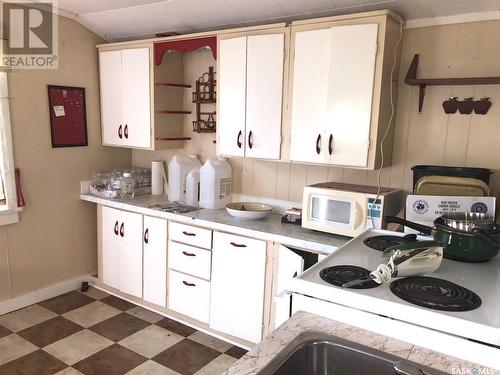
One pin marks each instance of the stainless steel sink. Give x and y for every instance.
(314, 353)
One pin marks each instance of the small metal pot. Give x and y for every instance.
(475, 245)
(468, 221)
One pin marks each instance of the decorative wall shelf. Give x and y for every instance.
(412, 80)
(168, 112)
(173, 138)
(168, 84)
(205, 94)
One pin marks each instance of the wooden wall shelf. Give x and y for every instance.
(168, 112)
(412, 80)
(173, 138)
(168, 84)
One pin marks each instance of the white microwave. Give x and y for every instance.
(348, 209)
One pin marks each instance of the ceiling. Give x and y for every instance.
(127, 19)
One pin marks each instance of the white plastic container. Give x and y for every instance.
(215, 183)
(193, 187)
(178, 168)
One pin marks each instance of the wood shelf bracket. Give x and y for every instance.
(422, 83)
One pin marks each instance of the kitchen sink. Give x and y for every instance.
(315, 353)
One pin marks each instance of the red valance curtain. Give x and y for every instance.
(185, 46)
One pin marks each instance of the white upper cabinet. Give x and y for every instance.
(250, 94)
(232, 57)
(125, 97)
(332, 94)
(310, 96)
(265, 54)
(110, 65)
(349, 108)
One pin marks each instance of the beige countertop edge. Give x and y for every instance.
(258, 357)
(269, 229)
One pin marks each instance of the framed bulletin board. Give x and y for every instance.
(68, 117)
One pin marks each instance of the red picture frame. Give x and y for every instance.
(68, 116)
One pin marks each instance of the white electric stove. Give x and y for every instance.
(473, 334)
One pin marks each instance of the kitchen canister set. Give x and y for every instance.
(206, 186)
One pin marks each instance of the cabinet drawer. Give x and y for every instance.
(189, 295)
(191, 235)
(224, 240)
(189, 259)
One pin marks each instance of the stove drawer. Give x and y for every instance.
(189, 296)
(190, 235)
(189, 259)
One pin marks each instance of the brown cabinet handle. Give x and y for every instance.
(250, 139)
(330, 144)
(238, 139)
(125, 131)
(122, 230)
(188, 254)
(188, 283)
(120, 132)
(237, 244)
(188, 234)
(116, 228)
(318, 144)
(146, 236)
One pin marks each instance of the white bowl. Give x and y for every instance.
(248, 210)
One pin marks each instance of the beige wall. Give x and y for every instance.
(55, 239)
(470, 49)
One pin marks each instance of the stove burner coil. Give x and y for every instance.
(385, 241)
(437, 294)
(339, 275)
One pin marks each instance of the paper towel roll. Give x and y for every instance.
(158, 177)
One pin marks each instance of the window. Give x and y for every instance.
(8, 200)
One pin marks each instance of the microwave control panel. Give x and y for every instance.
(374, 208)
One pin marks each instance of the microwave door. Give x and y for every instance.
(337, 212)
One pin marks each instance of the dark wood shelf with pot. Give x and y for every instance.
(205, 94)
(412, 80)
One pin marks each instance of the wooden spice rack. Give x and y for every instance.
(205, 94)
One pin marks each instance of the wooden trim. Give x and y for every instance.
(351, 16)
(215, 32)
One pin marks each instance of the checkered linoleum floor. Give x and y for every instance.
(95, 333)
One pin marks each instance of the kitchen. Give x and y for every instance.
(160, 319)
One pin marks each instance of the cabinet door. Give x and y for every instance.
(290, 265)
(309, 97)
(264, 93)
(130, 257)
(155, 260)
(110, 246)
(110, 78)
(231, 87)
(351, 75)
(136, 97)
(237, 290)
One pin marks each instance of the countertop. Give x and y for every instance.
(259, 356)
(269, 229)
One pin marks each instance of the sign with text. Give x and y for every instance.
(31, 32)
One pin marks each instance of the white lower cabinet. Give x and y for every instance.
(121, 234)
(189, 259)
(189, 295)
(155, 261)
(237, 293)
